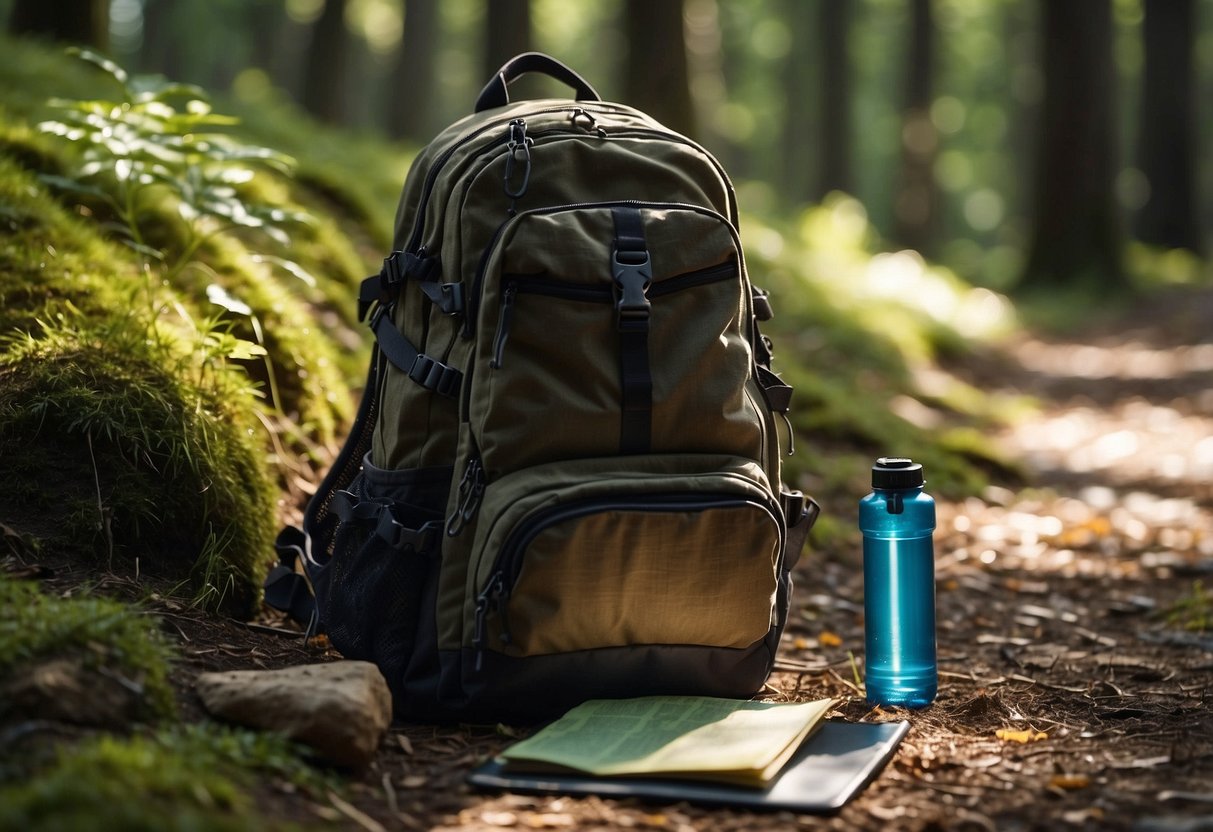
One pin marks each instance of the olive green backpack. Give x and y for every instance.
(564, 478)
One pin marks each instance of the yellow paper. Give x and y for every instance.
(701, 737)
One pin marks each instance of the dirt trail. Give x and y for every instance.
(1061, 613)
(1068, 611)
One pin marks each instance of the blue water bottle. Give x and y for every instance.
(897, 520)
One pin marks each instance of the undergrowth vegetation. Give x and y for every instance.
(176, 325)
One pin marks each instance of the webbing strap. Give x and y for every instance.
(398, 267)
(633, 274)
(430, 373)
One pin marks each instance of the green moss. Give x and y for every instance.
(35, 626)
(143, 460)
(195, 779)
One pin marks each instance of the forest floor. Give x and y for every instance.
(1072, 612)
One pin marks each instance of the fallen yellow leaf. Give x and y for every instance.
(828, 639)
(1027, 735)
(1070, 781)
(801, 643)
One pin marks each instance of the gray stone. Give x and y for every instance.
(339, 709)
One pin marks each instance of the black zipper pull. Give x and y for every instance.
(503, 325)
(503, 601)
(471, 490)
(484, 600)
(518, 152)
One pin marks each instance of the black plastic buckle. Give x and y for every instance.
(435, 376)
(448, 297)
(399, 536)
(763, 310)
(633, 275)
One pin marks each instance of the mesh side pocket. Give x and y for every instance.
(382, 556)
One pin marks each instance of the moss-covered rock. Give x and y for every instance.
(121, 453)
(100, 640)
(196, 779)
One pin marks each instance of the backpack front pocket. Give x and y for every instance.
(622, 367)
(619, 559)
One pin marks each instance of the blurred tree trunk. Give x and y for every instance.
(410, 100)
(1167, 141)
(1077, 235)
(326, 64)
(159, 34)
(817, 130)
(265, 20)
(507, 33)
(916, 203)
(801, 152)
(80, 22)
(656, 77)
(834, 19)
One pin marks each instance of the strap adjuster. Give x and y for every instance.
(435, 376)
(399, 536)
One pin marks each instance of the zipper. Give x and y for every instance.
(473, 299)
(508, 564)
(431, 176)
(551, 287)
(471, 492)
(503, 325)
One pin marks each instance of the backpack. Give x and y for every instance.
(563, 480)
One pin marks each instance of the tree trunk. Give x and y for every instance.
(656, 77)
(1077, 234)
(79, 22)
(507, 33)
(410, 100)
(916, 204)
(1167, 142)
(327, 64)
(834, 19)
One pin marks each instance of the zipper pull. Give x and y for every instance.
(480, 631)
(471, 490)
(503, 325)
(518, 151)
(482, 607)
(585, 120)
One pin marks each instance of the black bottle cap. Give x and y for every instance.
(895, 472)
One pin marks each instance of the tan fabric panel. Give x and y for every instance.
(639, 577)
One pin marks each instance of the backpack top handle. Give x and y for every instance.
(496, 93)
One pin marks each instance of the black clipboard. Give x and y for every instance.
(828, 769)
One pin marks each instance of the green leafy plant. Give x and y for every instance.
(161, 138)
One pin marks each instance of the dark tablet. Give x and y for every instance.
(830, 768)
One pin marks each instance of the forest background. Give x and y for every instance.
(997, 137)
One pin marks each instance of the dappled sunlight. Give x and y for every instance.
(1128, 360)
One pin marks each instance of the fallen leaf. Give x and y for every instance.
(499, 818)
(828, 639)
(406, 744)
(1027, 735)
(549, 820)
(801, 643)
(1080, 816)
(1069, 781)
(414, 781)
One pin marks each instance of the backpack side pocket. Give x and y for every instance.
(390, 532)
